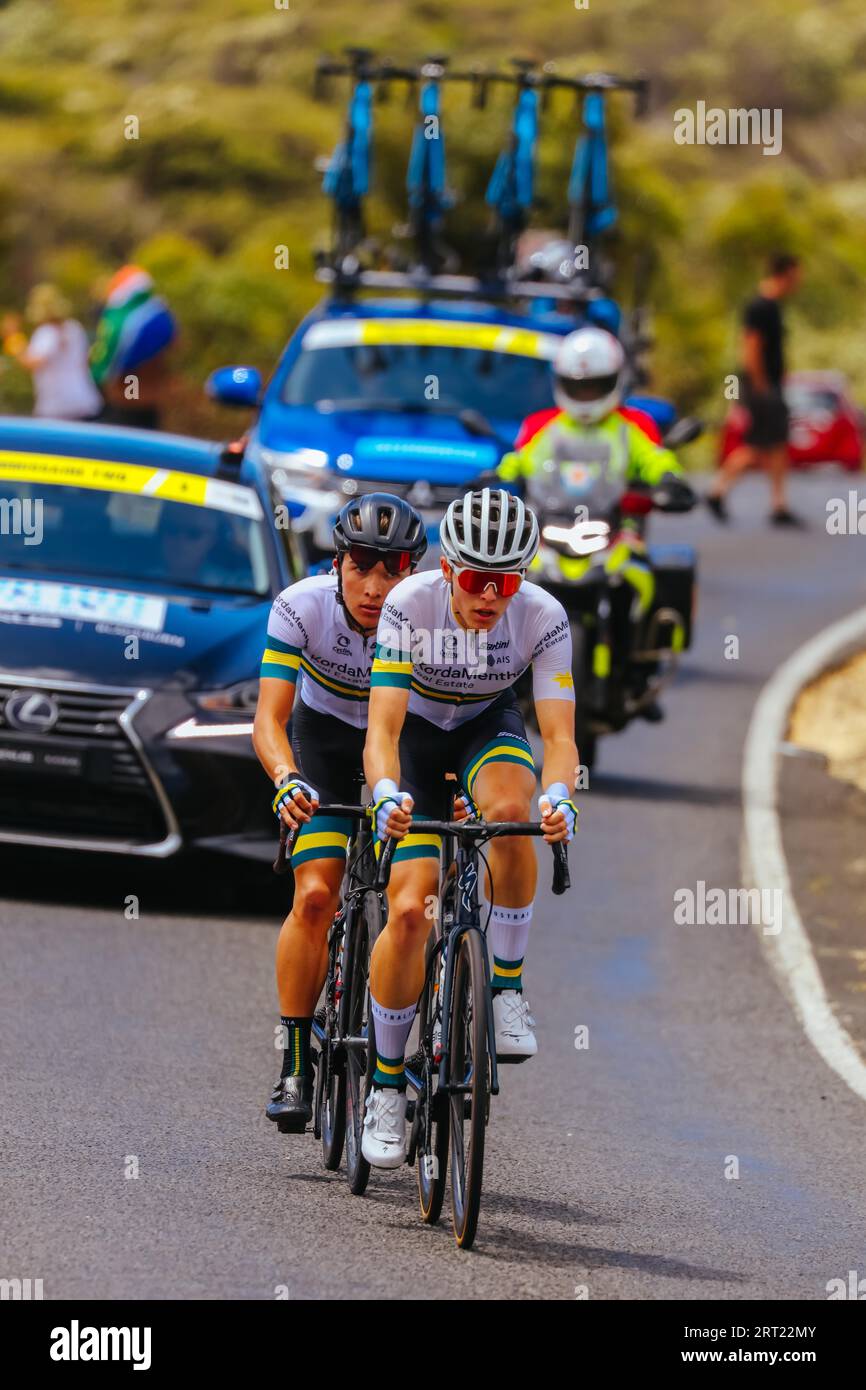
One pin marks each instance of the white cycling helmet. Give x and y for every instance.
(588, 374)
(490, 530)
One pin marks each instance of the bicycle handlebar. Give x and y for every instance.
(493, 830)
(288, 836)
(477, 830)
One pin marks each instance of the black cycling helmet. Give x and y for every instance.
(380, 521)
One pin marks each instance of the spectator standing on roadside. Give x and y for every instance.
(765, 444)
(129, 356)
(56, 357)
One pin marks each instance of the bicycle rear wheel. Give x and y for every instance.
(360, 1062)
(469, 1065)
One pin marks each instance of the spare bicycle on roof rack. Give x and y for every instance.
(511, 191)
(411, 374)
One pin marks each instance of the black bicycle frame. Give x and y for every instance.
(465, 900)
(460, 847)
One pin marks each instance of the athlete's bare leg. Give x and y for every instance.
(504, 791)
(302, 946)
(397, 967)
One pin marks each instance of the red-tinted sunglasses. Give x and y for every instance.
(366, 556)
(506, 582)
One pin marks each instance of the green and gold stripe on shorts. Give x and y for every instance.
(323, 837)
(505, 749)
(414, 846)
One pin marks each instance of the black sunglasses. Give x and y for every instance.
(366, 556)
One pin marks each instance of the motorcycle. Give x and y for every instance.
(630, 605)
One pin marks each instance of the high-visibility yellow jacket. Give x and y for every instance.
(615, 445)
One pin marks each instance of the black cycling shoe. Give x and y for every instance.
(717, 507)
(291, 1104)
(782, 517)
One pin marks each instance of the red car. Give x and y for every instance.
(826, 425)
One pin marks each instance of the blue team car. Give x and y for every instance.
(137, 572)
(417, 396)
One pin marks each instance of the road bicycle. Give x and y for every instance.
(345, 1062)
(454, 1072)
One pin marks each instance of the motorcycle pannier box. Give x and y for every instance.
(675, 568)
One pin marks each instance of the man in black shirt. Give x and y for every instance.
(765, 443)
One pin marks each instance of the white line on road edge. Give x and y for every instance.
(763, 863)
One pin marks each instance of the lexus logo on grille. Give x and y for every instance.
(31, 711)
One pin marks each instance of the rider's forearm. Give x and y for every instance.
(273, 749)
(381, 757)
(560, 762)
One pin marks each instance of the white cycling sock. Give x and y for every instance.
(392, 1028)
(508, 934)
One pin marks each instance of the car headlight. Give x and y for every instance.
(304, 467)
(235, 699)
(228, 713)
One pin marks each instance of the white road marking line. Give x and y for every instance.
(763, 863)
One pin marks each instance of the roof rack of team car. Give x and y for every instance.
(425, 285)
(571, 280)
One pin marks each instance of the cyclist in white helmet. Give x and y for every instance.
(451, 645)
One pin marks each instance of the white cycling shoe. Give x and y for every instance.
(383, 1142)
(515, 1040)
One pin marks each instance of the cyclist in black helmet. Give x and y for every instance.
(321, 639)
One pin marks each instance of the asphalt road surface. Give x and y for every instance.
(149, 1043)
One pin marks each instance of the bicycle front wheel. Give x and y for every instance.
(468, 1069)
(430, 1126)
(360, 1061)
(331, 1075)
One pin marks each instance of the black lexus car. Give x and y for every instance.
(137, 571)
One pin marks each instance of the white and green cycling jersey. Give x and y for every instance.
(454, 674)
(308, 637)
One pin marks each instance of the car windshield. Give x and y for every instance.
(501, 385)
(97, 534)
(806, 400)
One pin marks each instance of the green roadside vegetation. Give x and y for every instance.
(222, 172)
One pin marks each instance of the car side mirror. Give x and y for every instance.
(238, 386)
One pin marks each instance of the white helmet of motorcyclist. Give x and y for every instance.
(589, 375)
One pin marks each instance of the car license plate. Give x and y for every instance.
(54, 762)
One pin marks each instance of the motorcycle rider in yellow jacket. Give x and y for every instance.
(591, 431)
(590, 451)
